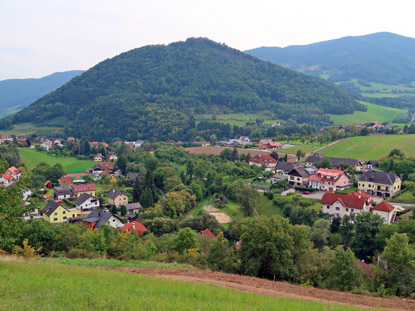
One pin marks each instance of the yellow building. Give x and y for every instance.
(117, 198)
(56, 213)
(87, 188)
(380, 183)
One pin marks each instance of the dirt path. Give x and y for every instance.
(269, 288)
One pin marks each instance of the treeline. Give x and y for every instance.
(151, 92)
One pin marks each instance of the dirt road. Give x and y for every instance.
(269, 288)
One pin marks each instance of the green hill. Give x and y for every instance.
(16, 94)
(151, 92)
(36, 286)
(380, 57)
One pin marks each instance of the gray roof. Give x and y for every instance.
(113, 194)
(316, 157)
(287, 166)
(82, 198)
(379, 177)
(50, 207)
(299, 171)
(63, 190)
(99, 217)
(133, 206)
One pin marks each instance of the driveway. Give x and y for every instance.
(312, 195)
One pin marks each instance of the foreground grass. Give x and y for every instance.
(35, 286)
(31, 158)
(374, 113)
(113, 263)
(371, 147)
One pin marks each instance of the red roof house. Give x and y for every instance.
(109, 165)
(263, 158)
(208, 233)
(135, 226)
(66, 180)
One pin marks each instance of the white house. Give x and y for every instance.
(386, 211)
(86, 202)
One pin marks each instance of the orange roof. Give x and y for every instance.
(14, 170)
(208, 233)
(347, 200)
(274, 144)
(134, 226)
(329, 172)
(384, 207)
(83, 188)
(263, 158)
(6, 176)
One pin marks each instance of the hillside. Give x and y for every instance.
(380, 57)
(151, 92)
(16, 94)
(114, 290)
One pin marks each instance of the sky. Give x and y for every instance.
(40, 37)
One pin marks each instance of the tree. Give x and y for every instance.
(235, 155)
(300, 154)
(123, 210)
(136, 190)
(320, 233)
(247, 196)
(325, 163)
(367, 226)
(343, 271)
(186, 239)
(122, 163)
(114, 210)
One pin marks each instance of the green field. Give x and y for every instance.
(29, 129)
(265, 207)
(371, 147)
(32, 157)
(374, 113)
(42, 286)
(239, 119)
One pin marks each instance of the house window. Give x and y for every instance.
(298, 178)
(64, 217)
(56, 213)
(337, 208)
(55, 219)
(347, 209)
(328, 206)
(63, 212)
(73, 215)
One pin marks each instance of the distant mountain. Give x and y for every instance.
(154, 92)
(381, 57)
(16, 94)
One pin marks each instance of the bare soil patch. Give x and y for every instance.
(269, 288)
(222, 217)
(210, 208)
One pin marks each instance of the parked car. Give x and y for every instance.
(306, 192)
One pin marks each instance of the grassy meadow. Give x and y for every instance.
(32, 157)
(30, 128)
(371, 147)
(374, 113)
(239, 119)
(45, 286)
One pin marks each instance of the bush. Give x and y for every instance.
(80, 253)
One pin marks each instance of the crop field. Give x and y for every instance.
(374, 113)
(239, 119)
(29, 129)
(31, 158)
(45, 286)
(382, 88)
(371, 147)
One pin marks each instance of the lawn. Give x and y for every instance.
(305, 148)
(371, 147)
(239, 119)
(32, 157)
(45, 286)
(405, 197)
(265, 207)
(374, 113)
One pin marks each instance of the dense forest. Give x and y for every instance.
(151, 92)
(380, 57)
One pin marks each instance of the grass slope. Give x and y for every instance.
(31, 158)
(30, 128)
(371, 147)
(35, 286)
(373, 113)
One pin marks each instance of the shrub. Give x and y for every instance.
(80, 253)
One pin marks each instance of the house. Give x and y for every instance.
(5, 179)
(329, 180)
(98, 157)
(117, 198)
(71, 139)
(372, 164)
(379, 183)
(58, 142)
(62, 192)
(298, 177)
(5, 137)
(48, 184)
(339, 204)
(244, 140)
(55, 212)
(268, 144)
(208, 233)
(385, 210)
(86, 202)
(14, 172)
(133, 208)
(283, 168)
(107, 165)
(201, 143)
(315, 158)
(97, 218)
(336, 163)
(134, 226)
(134, 144)
(65, 180)
(260, 159)
(112, 156)
(46, 144)
(87, 188)
(179, 143)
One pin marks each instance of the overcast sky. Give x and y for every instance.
(39, 37)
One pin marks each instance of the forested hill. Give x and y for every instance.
(151, 92)
(380, 57)
(16, 94)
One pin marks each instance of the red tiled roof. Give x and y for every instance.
(384, 207)
(4, 136)
(347, 200)
(208, 233)
(66, 180)
(83, 188)
(14, 170)
(107, 172)
(134, 226)
(6, 176)
(263, 158)
(329, 172)
(274, 144)
(238, 244)
(107, 164)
